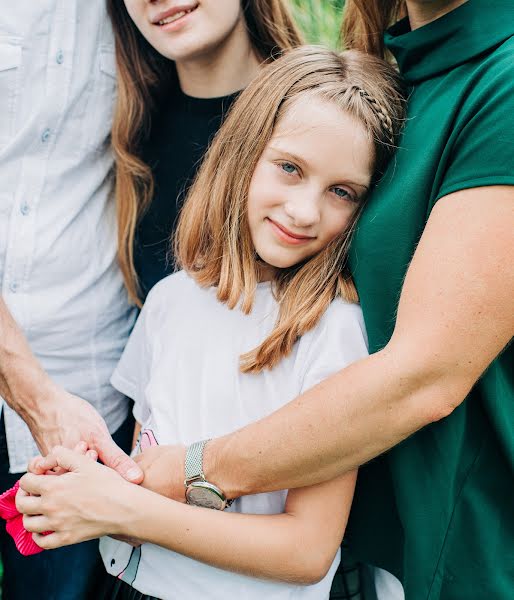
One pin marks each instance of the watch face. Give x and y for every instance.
(205, 494)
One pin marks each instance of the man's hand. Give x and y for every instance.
(67, 420)
(163, 467)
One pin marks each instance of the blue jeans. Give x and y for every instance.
(63, 574)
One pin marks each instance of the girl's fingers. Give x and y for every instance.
(92, 454)
(42, 464)
(81, 448)
(33, 484)
(28, 505)
(36, 523)
(35, 465)
(50, 541)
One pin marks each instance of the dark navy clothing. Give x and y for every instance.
(181, 131)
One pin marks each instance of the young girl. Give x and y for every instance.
(180, 67)
(264, 309)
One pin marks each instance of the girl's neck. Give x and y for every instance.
(265, 272)
(223, 71)
(422, 12)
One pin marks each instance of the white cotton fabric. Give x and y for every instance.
(387, 586)
(58, 271)
(181, 368)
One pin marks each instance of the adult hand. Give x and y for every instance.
(163, 467)
(89, 500)
(66, 420)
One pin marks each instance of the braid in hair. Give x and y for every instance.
(381, 113)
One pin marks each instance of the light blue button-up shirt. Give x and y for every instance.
(58, 270)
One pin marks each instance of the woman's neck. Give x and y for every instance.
(422, 12)
(222, 71)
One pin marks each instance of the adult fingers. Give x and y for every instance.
(113, 456)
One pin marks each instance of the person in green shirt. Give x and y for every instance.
(432, 262)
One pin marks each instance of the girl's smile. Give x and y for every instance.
(288, 236)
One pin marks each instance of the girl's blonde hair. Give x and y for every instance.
(365, 22)
(144, 79)
(213, 242)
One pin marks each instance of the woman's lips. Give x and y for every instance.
(287, 236)
(170, 19)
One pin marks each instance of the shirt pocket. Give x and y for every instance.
(10, 61)
(100, 107)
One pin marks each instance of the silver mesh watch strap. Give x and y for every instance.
(194, 462)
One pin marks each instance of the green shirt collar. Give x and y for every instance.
(455, 38)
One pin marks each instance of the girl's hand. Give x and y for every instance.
(87, 501)
(39, 464)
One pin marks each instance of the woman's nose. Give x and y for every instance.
(302, 207)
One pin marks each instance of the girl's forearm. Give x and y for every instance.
(265, 546)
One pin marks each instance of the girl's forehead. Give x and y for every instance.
(310, 112)
(325, 137)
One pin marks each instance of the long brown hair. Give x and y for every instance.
(144, 77)
(213, 242)
(365, 22)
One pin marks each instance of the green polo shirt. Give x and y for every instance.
(438, 509)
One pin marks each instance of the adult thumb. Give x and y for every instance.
(113, 456)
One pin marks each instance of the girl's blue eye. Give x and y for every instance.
(288, 168)
(342, 193)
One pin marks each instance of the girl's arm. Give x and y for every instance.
(297, 546)
(455, 315)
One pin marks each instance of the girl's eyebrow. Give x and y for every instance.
(302, 161)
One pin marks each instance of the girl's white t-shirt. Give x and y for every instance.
(181, 368)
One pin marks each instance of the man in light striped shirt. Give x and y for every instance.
(64, 316)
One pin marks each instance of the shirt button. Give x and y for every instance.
(59, 57)
(45, 135)
(14, 287)
(24, 209)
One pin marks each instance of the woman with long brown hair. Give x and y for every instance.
(180, 66)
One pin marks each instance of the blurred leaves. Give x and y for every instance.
(320, 20)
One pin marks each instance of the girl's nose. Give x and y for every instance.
(302, 208)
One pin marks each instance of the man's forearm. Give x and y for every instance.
(22, 379)
(362, 411)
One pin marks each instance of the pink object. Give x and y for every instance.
(8, 511)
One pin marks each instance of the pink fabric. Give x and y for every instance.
(8, 511)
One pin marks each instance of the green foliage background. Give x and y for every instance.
(320, 20)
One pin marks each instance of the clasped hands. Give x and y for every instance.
(70, 494)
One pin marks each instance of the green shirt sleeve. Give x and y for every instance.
(481, 144)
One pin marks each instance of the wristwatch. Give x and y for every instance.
(199, 491)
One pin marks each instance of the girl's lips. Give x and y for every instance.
(288, 236)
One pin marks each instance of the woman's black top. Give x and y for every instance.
(181, 132)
